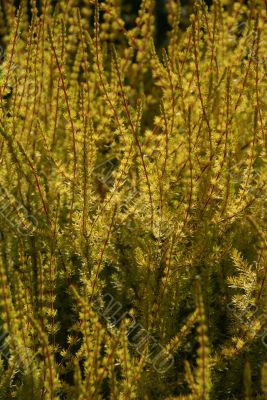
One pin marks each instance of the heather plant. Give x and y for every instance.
(133, 200)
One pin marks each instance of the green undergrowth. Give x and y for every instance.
(133, 201)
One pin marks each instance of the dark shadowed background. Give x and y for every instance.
(130, 8)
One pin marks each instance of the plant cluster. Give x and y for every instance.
(133, 201)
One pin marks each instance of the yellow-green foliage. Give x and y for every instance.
(133, 178)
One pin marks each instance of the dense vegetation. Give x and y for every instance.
(133, 200)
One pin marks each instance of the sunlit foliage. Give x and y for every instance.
(136, 172)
